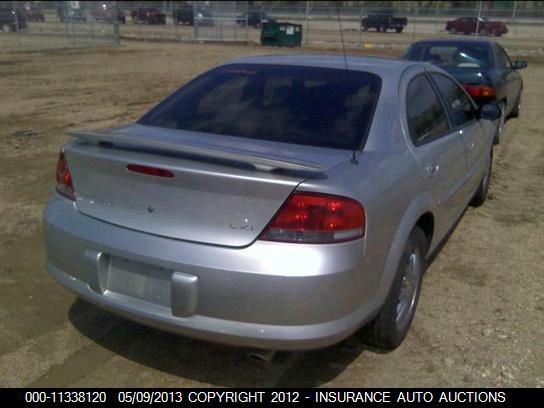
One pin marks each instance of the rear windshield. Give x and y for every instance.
(451, 55)
(301, 105)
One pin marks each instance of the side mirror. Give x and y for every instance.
(489, 111)
(518, 64)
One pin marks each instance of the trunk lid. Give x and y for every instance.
(224, 190)
(467, 75)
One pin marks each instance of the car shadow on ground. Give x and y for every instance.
(195, 361)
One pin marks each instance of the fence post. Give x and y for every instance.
(173, 8)
(478, 19)
(247, 25)
(307, 36)
(116, 33)
(195, 21)
(17, 30)
(436, 17)
(414, 26)
(359, 27)
(514, 22)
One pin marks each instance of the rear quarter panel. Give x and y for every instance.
(389, 184)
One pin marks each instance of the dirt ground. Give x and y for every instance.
(480, 317)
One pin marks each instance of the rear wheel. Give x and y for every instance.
(390, 326)
(452, 30)
(398, 30)
(483, 31)
(481, 194)
(382, 28)
(6, 28)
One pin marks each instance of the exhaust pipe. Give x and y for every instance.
(261, 356)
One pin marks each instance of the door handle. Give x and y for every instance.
(431, 169)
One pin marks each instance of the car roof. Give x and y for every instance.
(461, 41)
(379, 66)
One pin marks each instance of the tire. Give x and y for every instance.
(452, 30)
(500, 126)
(398, 30)
(382, 29)
(6, 28)
(481, 193)
(390, 326)
(483, 31)
(516, 109)
(364, 28)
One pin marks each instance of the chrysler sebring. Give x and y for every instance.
(274, 202)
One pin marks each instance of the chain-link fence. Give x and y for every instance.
(30, 26)
(322, 20)
(363, 23)
(220, 20)
(402, 22)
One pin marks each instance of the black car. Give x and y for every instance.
(254, 19)
(481, 66)
(186, 15)
(8, 22)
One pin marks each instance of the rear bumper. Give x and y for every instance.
(268, 295)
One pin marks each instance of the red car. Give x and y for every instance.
(148, 15)
(469, 25)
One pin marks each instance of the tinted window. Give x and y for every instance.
(451, 55)
(424, 111)
(300, 105)
(458, 103)
(503, 60)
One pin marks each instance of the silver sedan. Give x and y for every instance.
(275, 202)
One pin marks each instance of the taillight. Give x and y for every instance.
(481, 91)
(316, 218)
(150, 171)
(64, 178)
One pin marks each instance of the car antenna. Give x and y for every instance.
(348, 81)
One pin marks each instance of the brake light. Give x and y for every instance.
(316, 218)
(481, 91)
(151, 171)
(65, 186)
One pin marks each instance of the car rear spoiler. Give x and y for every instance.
(262, 163)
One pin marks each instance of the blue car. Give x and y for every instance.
(482, 66)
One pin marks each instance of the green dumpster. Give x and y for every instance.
(279, 34)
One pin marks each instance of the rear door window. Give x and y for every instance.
(459, 105)
(426, 117)
(502, 57)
